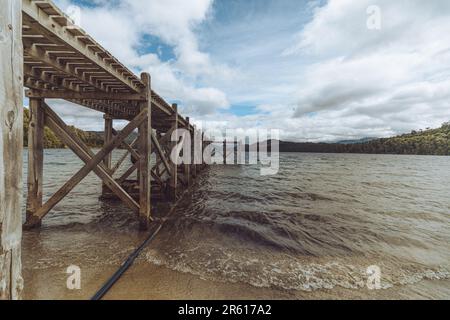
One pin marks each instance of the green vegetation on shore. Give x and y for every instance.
(51, 141)
(428, 142)
(423, 142)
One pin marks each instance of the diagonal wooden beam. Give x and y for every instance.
(130, 148)
(128, 173)
(93, 163)
(161, 154)
(65, 135)
(52, 114)
(123, 158)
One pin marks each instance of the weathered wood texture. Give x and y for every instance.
(11, 144)
(92, 165)
(145, 147)
(187, 166)
(174, 179)
(108, 135)
(35, 157)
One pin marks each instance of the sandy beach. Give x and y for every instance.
(150, 282)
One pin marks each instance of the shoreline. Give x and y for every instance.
(145, 281)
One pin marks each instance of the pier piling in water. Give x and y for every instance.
(11, 144)
(90, 76)
(56, 59)
(43, 50)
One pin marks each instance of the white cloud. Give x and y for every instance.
(120, 26)
(314, 71)
(396, 76)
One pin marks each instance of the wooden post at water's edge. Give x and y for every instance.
(11, 144)
(145, 147)
(35, 160)
(108, 137)
(174, 178)
(187, 166)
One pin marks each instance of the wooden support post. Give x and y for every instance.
(92, 165)
(108, 135)
(174, 178)
(35, 160)
(11, 145)
(145, 147)
(202, 166)
(70, 139)
(225, 151)
(187, 167)
(108, 138)
(194, 159)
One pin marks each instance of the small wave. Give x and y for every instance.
(290, 274)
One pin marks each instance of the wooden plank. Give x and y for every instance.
(93, 163)
(11, 144)
(145, 147)
(35, 160)
(96, 95)
(46, 26)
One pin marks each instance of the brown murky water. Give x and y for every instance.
(309, 232)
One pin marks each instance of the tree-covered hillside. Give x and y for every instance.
(428, 142)
(51, 141)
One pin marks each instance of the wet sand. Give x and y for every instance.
(145, 281)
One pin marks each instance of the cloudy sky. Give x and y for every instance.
(312, 69)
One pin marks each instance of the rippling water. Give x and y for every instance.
(318, 224)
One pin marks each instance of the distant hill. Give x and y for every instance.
(363, 140)
(51, 141)
(428, 142)
(423, 142)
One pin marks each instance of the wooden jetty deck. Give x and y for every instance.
(41, 49)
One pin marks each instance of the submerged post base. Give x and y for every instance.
(32, 222)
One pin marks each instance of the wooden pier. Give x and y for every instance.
(41, 49)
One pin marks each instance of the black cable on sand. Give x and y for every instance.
(129, 262)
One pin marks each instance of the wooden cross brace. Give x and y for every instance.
(93, 163)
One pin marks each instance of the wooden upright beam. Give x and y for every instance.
(193, 152)
(174, 177)
(91, 165)
(108, 135)
(11, 144)
(145, 147)
(187, 166)
(35, 159)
